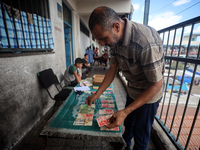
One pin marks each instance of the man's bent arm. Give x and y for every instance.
(110, 74)
(77, 76)
(118, 117)
(146, 96)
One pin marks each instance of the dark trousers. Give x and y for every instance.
(88, 69)
(105, 62)
(138, 124)
(75, 82)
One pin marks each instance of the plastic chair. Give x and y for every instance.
(47, 79)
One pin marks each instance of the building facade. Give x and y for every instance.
(23, 101)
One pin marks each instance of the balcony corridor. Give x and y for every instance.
(33, 141)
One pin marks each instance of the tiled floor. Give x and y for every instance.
(194, 143)
(33, 141)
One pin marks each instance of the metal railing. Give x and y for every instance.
(181, 44)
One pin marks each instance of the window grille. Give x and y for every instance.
(84, 29)
(25, 26)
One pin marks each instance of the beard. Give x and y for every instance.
(115, 40)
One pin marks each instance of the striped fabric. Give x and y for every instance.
(40, 35)
(141, 58)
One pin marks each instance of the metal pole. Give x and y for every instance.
(146, 12)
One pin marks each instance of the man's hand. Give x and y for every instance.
(117, 119)
(91, 99)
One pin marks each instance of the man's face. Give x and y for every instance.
(109, 38)
(86, 57)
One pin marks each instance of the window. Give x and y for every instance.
(84, 29)
(25, 26)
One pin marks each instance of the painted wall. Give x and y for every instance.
(84, 43)
(23, 102)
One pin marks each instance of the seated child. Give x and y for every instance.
(85, 65)
(72, 76)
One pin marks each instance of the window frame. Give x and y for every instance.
(45, 20)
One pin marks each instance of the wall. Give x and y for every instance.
(84, 43)
(23, 102)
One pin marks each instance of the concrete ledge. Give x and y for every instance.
(160, 139)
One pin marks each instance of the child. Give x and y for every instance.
(105, 58)
(85, 65)
(72, 76)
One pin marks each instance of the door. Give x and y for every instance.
(68, 48)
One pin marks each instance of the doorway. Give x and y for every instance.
(68, 49)
(67, 21)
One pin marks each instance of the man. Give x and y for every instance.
(85, 65)
(105, 58)
(97, 51)
(137, 50)
(96, 57)
(72, 76)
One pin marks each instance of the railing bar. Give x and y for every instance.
(28, 23)
(187, 60)
(164, 97)
(190, 38)
(168, 74)
(162, 105)
(167, 41)
(173, 41)
(183, 28)
(23, 49)
(163, 36)
(193, 123)
(198, 55)
(42, 21)
(176, 101)
(34, 24)
(179, 91)
(168, 78)
(38, 26)
(22, 22)
(183, 75)
(14, 23)
(166, 86)
(46, 24)
(194, 20)
(48, 9)
(5, 24)
(177, 144)
(181, 84)
(188, 96)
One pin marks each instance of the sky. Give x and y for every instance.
(165, 13)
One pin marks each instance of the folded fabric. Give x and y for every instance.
(30, 18)
(11, 10)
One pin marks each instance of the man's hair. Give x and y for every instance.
(85, 54)
(78, 61)
(103, 16)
